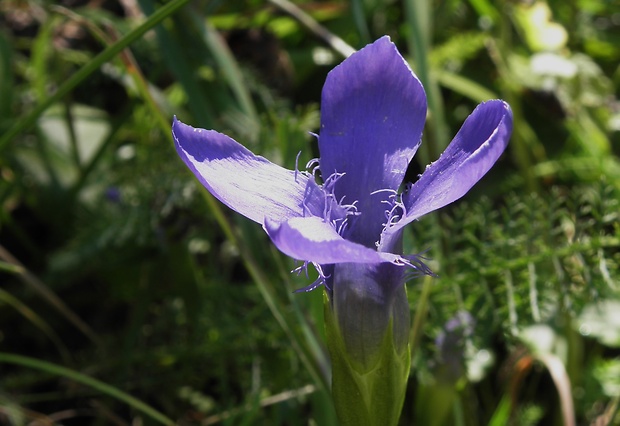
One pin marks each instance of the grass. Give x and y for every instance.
(130, 294)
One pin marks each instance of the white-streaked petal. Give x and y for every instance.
(476, 147)
(247, 183)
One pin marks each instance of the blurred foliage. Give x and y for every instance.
(116, 265)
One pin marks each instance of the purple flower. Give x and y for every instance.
(451, 346)
(373, 110)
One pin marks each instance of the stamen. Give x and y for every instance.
(419, 268)
(312, 164)
(304, 206)
(394, 212)
(302, 268)
(378, 191)
(397, 211)
(321, 280)
(313, 167)
(342, 226)
(345, 212)
(297, 164)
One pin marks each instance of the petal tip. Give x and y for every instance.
(176, 123)
(498, 104)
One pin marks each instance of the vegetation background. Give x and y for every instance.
(130, 296)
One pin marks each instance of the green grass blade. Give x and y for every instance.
(36, 320)
(183, 72)
(39, 73)
(102, 387)
(357, 7)
(52, 298)
(335, 42)
(6, 80)
(224, 58)
(419, 20)
(421, 313)
(90, 67)
(501, 416)
(11, 268)
(464, 86)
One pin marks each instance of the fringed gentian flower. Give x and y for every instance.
(346, 215)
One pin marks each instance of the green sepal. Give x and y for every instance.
(373, 397)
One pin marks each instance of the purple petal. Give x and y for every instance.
(373, 110)
(247, 183)
(314, 240)
(471, 154)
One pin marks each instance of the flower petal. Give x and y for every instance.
(247, 183)
(471, 154)
(373, 110)
(314, 240)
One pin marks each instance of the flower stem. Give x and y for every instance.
(420, 315)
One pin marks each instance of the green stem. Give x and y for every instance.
(88, 381)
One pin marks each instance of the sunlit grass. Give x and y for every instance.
(130, 293)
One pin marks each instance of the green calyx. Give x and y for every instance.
(372, 395)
